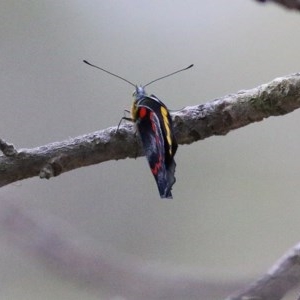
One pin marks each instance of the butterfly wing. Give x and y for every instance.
(154, 125)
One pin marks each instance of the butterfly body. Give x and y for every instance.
(154, 125)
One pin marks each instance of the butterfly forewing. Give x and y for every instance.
(154, 125)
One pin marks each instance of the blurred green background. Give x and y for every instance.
(236, 200)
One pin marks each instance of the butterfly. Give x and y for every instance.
(155, 128)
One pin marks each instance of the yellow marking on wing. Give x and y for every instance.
(134, 110)
(164, 113)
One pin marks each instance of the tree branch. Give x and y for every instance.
(291, 4)
(281, 278)
(193, 123)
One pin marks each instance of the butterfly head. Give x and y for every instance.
(139, 93)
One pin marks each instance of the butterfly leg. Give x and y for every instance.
(124, 118)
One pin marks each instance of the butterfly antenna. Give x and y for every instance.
(110, 73)
(169, 75)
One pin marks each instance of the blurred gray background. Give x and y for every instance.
(236, 201)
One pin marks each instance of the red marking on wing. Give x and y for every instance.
(142, 112)
(156, 167)
(153, 125)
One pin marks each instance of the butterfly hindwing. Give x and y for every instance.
(154, 125)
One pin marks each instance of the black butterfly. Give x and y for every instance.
(154, 125)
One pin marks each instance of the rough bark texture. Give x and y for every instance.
(193, 123)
